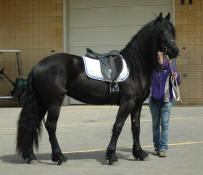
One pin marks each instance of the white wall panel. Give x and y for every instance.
(116, 3)
(115, 16)
(109, 24)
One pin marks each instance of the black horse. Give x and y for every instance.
(60, 74)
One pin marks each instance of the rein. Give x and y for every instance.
(174, 83)
(165, 48)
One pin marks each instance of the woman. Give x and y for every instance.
(161, 103)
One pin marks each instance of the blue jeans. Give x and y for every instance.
(160, 117)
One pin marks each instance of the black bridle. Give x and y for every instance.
(165, 45)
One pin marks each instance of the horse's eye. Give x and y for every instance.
(163, 41)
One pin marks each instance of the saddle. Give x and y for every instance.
(111, 66)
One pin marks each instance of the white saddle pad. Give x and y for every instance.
(93, 70)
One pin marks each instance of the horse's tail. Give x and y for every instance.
(29, 123)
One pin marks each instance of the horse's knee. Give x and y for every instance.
(50, 126)
(135, 124)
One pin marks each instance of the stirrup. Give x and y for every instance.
(113, 87)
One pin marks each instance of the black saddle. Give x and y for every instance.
(92, 54)
(111, 66)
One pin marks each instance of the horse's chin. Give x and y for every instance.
(172, 55)
(158, 67)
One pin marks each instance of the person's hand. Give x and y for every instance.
(160, 57)
(175, 75)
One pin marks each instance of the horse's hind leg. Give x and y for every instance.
(51, 123)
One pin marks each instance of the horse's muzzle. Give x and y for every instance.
(173, 53)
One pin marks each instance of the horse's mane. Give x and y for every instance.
(144, 44)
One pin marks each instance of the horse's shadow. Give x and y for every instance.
(99, 156)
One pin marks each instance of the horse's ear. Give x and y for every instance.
(168, 16)
(159, 18)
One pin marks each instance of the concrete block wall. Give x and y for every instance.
(33, 26)
(189, 36)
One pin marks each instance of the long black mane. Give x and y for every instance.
(142, 48)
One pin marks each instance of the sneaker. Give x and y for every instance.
(162, 154)
(155, 152)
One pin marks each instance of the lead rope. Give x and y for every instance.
(174, 83)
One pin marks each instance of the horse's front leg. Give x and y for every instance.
(135, 126)
(123, 112)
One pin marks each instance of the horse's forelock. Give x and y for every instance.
(167, 25)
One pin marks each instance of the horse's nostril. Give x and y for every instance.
(177, 50)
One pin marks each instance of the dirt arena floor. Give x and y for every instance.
(84, 133)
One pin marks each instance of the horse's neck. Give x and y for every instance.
(139, 61)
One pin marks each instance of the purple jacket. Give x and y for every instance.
(161, 89)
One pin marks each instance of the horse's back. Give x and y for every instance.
(56, 61)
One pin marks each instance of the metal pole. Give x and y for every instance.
(19, 65)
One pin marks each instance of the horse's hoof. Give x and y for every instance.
(59, 158)
(113, 163)
(54, 159)
(32, 161)
(112, 160)
(140, 155)
(62, 161)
